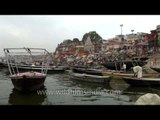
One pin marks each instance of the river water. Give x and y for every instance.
(60, 90)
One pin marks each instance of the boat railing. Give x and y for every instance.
(29, 55)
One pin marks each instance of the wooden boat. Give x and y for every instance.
(90, 78)
(157, 69)
(1, 65)
(144, 58)
(117, 65)
(1, 62)
(113, 73)
(120, 74)
(142, 81)
(30, 80)
(50, 69)
(87, 71)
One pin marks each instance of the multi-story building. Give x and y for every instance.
(80, 51)
(131, 38)
(110, 44)
(97, 46)
(154, 39)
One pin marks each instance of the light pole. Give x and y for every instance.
(132, 31)
(121, 28)
(121, 25)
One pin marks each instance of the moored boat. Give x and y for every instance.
(117, 65)
(30, 80)
(157, 69)
(50, 69)
(113, 73)
(142, 81)
(90, 78)
(88, 71)
(119, 74)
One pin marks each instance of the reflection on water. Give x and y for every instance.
(87, 85)
(135, 92)
(19, 98)
(132, 92)
(55, 82)
(118, 84)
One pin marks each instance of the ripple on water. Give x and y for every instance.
(55, 82)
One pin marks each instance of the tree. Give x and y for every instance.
(93, 35)
(75, 40)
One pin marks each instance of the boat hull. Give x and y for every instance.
(118, 75)
(90, 78)
(87, 71)
(157, 69)
(28, 83)
(118, 65)
(142, 81)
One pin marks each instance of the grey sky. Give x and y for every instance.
(47, 31)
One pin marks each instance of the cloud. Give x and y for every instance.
(48, 31)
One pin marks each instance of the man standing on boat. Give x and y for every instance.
(124, 67)
(137, 71)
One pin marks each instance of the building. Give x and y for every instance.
(88, 45)
(80, 51)
(110, 44)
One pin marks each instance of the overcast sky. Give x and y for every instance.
(46, 31)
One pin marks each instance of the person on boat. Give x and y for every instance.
(33, 65)
(137, 71)
(124, 67)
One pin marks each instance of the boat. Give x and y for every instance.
(113, 73)
(90, 78)
(1, 63)
(121, 74)
(117, 65)
(155, 68)
(143, 58)
(142, 81)
(29, 80)
(87, 71)
(50, 69)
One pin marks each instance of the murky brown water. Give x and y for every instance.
(60, 90)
